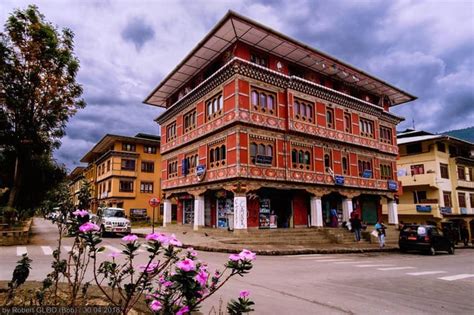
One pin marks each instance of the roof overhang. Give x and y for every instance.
(234, 27)
(104, 144)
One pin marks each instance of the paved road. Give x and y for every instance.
(387, 283)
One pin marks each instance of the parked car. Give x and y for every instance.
(112, 220)
(424, 238)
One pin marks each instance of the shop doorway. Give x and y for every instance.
(188, 211)
(369, 208)
(275, 209)
(332, 209)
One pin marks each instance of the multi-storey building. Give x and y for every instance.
(437, 176)
(125, 172)
(262, 127)
(75, 181)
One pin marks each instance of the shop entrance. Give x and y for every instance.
(188, 211)
(332, 209)
(369, 208)
(275, 208)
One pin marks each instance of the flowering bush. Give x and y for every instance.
(173, 281)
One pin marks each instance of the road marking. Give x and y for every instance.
(457, 277)
(367, 266)
(20, 250)
(68, 248)
(352, 262)
(315, 258)
(47, 250)
(395, 268)
(333, 260)
(422, 273)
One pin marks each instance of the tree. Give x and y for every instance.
(38, 89)
(84, 195)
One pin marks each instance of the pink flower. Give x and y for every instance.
(114, 254)
(247, 255)
(182, 311)
(192, 252)
(186, 265)
(167, 284)
(155, 305)
(244, 293)
(151, 267)
(234, 257)
(80, 213)
(88, 227)
(174, 241)
(158, 237)
(130, 238)
(201, 278)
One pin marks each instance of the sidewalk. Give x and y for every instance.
(212, 240)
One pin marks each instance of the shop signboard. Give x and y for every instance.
(263, 160)
(423, 208)
(339, 180)
(463, 210)
(392, 185)
(200, 172)
(445, 210)
(367, 174)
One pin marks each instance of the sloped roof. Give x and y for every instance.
(234, 27)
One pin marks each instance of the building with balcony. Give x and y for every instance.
(436, 173)
(125, 172)
(262, 131)
(75, 181)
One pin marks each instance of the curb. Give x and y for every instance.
(276, 252)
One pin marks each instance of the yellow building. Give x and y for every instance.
(436, 173)
(126, 172)
(75, 182)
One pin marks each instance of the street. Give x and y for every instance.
(389, 283)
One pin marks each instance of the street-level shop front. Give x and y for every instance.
(274, 208)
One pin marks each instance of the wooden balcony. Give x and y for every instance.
(428, 179)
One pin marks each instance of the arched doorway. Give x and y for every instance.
(332, 201)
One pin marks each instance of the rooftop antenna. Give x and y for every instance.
(413, 122)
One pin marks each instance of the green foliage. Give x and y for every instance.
(38, 91)
(21, 272)
(240, 306)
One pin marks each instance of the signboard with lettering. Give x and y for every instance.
(392, 185)
(200, 172)
(423, 208)
(339, 180)
(445, 210)
(263, 160)
(367, 174)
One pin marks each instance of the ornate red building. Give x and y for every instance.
(261, 130)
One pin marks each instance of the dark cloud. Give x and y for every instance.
(423, 47)
(138, 32)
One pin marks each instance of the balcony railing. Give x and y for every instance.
(428, 179)
(466, 184)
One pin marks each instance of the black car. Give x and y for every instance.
(425, 238)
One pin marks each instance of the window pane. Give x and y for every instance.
(293, 156)
(221, 102)
(270, 102)
(253, 149)
(261, 149)
(263, 100)
(297, 108)
(254, 98)
(223, 152)
(211, 155)
(306, 158)
(269, 150)
(300, 157)
(214, 105)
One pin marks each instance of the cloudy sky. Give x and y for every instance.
(127, 46)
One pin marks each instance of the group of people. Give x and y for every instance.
(356, 226)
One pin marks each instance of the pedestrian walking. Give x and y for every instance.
(380, 228)
(356, 225)
(465, 235)
(334, 220)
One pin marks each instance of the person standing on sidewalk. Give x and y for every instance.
(380, 228)
(356, 225)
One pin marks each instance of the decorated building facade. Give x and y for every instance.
(262, 131)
